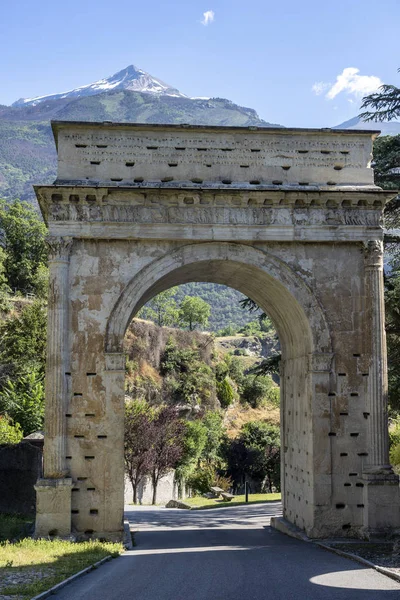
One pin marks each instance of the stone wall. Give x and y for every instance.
(20, 467)
(167, 490)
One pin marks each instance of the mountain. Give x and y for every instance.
(391, 128)
(27, 151)
(131, 78)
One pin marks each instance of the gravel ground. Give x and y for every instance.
(25, 576)
(380, 554)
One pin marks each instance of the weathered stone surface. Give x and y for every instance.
(53, 507)
(177, 504)
(294, 243)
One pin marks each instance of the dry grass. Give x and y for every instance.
(238, 415)
(149, 372)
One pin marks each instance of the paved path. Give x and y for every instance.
(225, 554)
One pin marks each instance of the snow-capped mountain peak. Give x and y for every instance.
(130, 78)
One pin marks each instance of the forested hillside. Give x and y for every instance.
(27, 152)
(226, 310)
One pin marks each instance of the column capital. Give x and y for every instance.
(373, 253)
(59, 247)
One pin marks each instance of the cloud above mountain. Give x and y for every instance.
(349, 82)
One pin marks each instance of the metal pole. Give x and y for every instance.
(246, 491)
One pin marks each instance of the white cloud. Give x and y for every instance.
(208, 17)
(320, 87)
(349, 82)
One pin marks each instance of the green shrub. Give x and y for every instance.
(23, 400)
(202, 479)
(394, 432)
(240, 352)
(256, 390)
(395, 457)
(227, 331)
(225, 393)
(9, 433)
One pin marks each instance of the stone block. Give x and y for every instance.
(53, 507)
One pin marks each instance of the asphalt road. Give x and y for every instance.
(225, 554)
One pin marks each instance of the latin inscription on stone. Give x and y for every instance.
(240, 157)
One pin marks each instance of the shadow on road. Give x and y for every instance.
(226, 554)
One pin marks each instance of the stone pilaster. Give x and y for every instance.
(57, 358)
(381, 485)
(53, 492)
(378, 451)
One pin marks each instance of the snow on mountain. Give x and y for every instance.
(131, 78)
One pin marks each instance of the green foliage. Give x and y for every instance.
(202, 479)
(392, 305)
(194, 441)
(394, 432)
(27, 151)
(257, 327)
(41, 282)
(225, 393)
(137, 442)
(235, 367)
(226, 316)
(23, 339)
(23, 400)
(162, 309)
(240, 352)
(5, 290)
(395, 457)
(22, 237)
(226, 311)
(188, 378)
(228, 331)
(258, 389)
(27, 156)
(258, 434)
(269, 366)
(206, 477)
(194, 311)
(213, 422)
(387, 161)
(385, 104)
(255, 454)
(10, 433)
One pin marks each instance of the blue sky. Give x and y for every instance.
(281, 58)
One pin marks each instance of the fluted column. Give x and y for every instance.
(378, 451)
(57, 358)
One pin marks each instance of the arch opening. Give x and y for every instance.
(279, 291)
(300, 324)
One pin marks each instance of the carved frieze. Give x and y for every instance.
(212, 214)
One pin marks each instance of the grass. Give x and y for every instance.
(13, 527)
(200, 503)
(29, 567)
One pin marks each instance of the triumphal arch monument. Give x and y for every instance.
(289, 217)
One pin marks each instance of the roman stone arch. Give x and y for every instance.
(292, 219)
(268, 280)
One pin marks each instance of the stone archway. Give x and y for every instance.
(303, 332)
(307, 249)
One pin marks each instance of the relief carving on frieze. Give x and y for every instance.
(199, 214)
